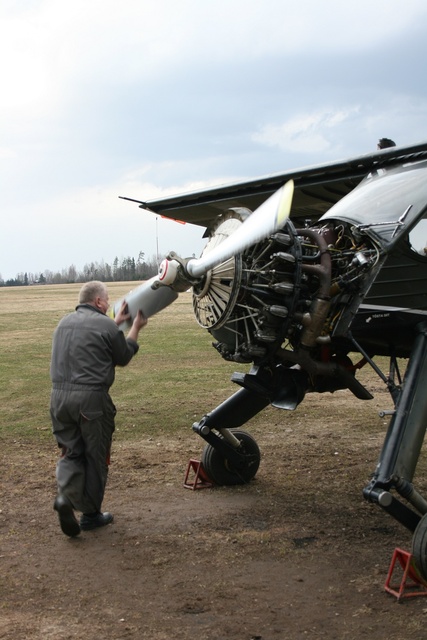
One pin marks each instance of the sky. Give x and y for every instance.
(101, 99)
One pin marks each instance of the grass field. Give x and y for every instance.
(175, 375)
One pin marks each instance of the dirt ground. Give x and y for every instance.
(297, 553)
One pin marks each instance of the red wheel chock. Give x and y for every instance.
(200, 480)
(411, 583)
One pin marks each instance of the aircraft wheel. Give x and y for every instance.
(222, 472)
(419, 547)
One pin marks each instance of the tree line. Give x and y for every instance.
(119, 271)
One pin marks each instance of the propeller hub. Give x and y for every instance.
(168, 271)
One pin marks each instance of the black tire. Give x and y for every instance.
(419, 549)
(222, 472)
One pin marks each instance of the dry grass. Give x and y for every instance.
(175, 376)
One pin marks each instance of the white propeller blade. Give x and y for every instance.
(147, 299)
(264, 221)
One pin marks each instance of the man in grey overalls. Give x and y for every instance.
(87, 346)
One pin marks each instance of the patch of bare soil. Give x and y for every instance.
(297, 553)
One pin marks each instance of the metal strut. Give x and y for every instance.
(403, 442)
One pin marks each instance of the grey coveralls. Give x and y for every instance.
(87, 346)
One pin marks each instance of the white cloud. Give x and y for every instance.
(397, 112)
(7, 153)
(23, 73)
(305, 133)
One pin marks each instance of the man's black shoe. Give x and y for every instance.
(67, 519)
(90, 521)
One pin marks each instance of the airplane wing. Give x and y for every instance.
(317, 188)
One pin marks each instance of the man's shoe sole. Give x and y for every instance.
(67, 519)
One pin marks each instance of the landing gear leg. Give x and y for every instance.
(231, 456)
(396, 467)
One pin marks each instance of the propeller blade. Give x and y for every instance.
(264, 221)
(147, 298)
